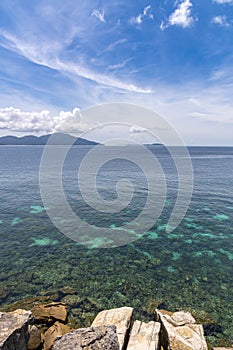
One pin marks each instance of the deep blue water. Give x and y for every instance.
(191, 267)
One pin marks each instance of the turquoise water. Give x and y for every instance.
(189, 268)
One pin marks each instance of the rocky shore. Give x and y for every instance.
(45, 327)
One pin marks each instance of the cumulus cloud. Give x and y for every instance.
(70, 122)
(181, 17)
(144, 14)
(14, 119)
(99, 15)
(135, 129)
(220, 20)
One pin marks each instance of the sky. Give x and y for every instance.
(174, 57)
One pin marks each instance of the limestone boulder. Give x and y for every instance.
(92, 338)
(34, 337)
(57, 330)
(144, 336)
(14, 329)
(50, 312)
(179, 331)
(119, 317)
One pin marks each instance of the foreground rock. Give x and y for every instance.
(14, 329)
(179, 331)
(57, 330)
(92, 338)
(144, 336)
(34, 338)
(50, 312)
(120, 318)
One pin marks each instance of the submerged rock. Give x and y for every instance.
(67, 290)
(72, 300)
(94, 338)
(180, 331)
(120, 317)
(144, 336)
(29, 303)
(14, 329)
(50, 312)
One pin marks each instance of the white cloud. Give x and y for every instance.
(68, 67)
(163, 26)
(144, 14)
(116, 43)
(70, 122)
(182, 15)
(16, 120)
(99, 15)
(221, 20)
(120, 65)
(136, 129)
(36, 53)
(136, 20)
(207, 111)
(223, 1)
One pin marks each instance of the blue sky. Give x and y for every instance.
(175, 57)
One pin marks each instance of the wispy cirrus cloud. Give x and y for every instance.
(113, 45)
(41, 55)
(143, 15)
(100, 15)
(223, 1)
(120, 65)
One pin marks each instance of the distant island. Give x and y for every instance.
(58, 139)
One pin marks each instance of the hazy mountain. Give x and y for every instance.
(58, 139)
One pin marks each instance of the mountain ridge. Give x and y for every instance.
(31, 140)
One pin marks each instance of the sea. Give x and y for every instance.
(188, 268)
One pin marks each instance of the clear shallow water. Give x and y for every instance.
(189, 268)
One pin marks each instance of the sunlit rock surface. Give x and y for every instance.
(179, 331)
(14, 329)
(119, 317)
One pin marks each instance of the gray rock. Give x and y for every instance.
(120, 317)
(92, 338)
(14, 329)
(144, 336)
(180, 331)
